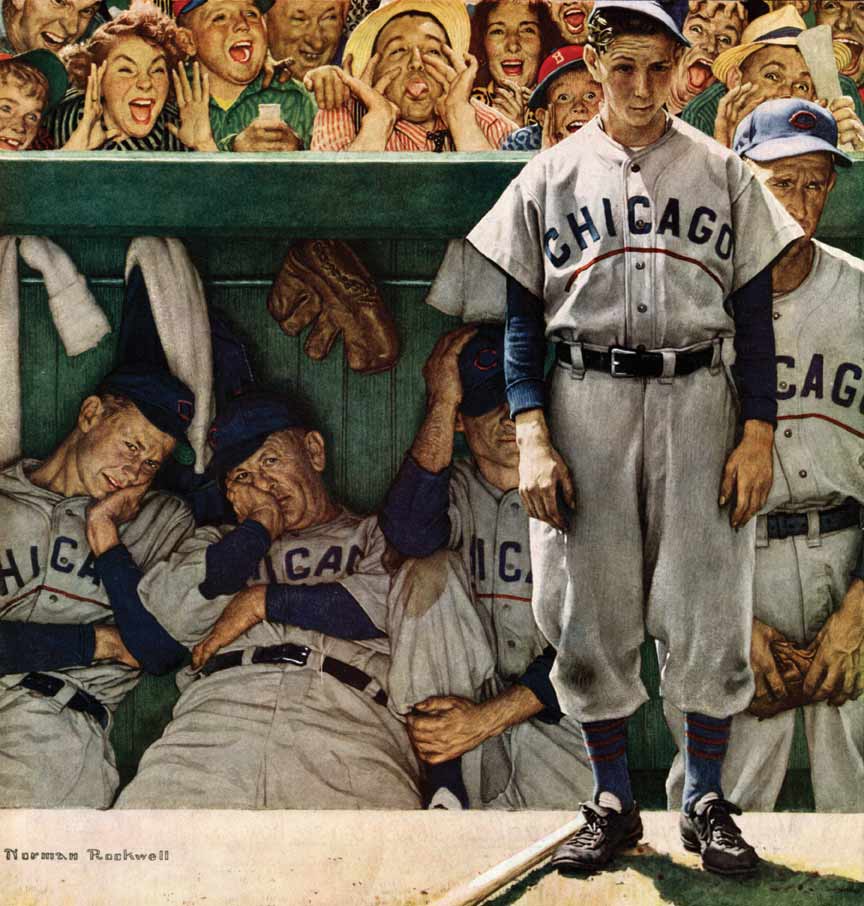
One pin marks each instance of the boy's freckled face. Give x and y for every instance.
(230, 38)
(20, 112)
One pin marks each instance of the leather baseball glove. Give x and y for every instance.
(793, 663)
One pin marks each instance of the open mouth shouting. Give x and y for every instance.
(574, 21)
(574, 125)
(7, 143)
(699, 75)
(52, 40)
(855, 48)
(513, 68)
(241, 52)
(141, 110)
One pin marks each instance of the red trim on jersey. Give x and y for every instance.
(59, 591)
(647, 251)
(825, 418)
(505, 597)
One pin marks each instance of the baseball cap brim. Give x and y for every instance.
(485, 397)
(538, 95)
(794, 146)
(50, 66)
(652, 10)
(183, 452)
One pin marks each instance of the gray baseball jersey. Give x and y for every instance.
(801, 581)
(285, 735)
(52, 755)
(640, 248)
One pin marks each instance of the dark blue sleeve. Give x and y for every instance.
(415, 517)
(44, 646)
(142, 634)
(329, 608)
(536, 678)
(524, 350)
(233, 560)
(858, 571)
(755, 360)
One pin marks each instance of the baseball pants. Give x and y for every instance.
(798, 586)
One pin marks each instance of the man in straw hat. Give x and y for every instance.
(768, 64)
(408, 64)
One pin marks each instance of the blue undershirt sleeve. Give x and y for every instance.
(536, 678)
(232, 561)
(329, 608)
(45, 646)
(524, 350)
(415, 517)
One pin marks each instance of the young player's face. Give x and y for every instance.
(230, 39)
(636, 74)
(846, 18)
(572, 99)
(777, 72)
(801, 184)
(20, 112)
(306, 30)
(403, 44)
(492, 437)
(289, 468)
(572, 19)
(135, 85)
(51, 24)
(120, 451)
(512, 43)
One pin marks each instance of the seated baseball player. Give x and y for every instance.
(44, 24)
(30, 84)
(306, 32)
(229, 40)
(470, 667)
(78, 530)
(288, 704)
(846, 18)
(808, 631)
(565, 98)
(406, 86)
(768, 64)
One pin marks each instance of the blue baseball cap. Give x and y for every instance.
(161, 398)
(481, 371)
(787, 127)
(246, 422)
(669, 13)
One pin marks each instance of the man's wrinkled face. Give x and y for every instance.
(776, 72)
(21, 108)
(135, 85)
(572, 19)
(289, 466)
(492, 437)
(801, 184)
(119, 450)
(512, 43)
(404, 44)
(308, 31)
(49, 24)
(230, 39)
(571, 100)
(846, 18)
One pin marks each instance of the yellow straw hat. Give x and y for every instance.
(781, 26)
(452, 16)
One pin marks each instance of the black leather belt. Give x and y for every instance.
(289, 653)
(788, 525)
(82, 701)
(636, 362)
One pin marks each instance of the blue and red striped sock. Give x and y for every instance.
(606, 741)
(706, 740)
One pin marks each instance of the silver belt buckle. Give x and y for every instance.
(616, 354)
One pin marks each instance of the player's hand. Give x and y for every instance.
(446, 726)
(766, 674)
(545, 483)
(247, 609)
(837, 671)
(850, 130)
(281, 70)
(268, 136)
(326, 83)
(91, 132)
(193, 102)
(734, 106)
(441, 371)
(250, 502)
(105, 515)
(511, 99)
(749, 473)
(110, 647)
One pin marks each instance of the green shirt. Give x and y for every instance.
(701, 112)
(298, 110)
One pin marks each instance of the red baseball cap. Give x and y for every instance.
(558, 62)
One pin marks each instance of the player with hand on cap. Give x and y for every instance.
(470, 667)
(809, 566)
(622, 245)
(79, 529)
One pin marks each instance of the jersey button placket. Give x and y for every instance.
(640, 329)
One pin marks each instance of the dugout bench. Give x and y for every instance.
(238, 214)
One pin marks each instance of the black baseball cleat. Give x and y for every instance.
(710, 830)
(604, 834)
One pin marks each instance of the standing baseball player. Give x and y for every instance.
(468, 657)
(629, 232)
(77, 531)
(287, 705)
(809, 569)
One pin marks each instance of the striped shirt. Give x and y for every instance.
(62, 121)
(335, 130)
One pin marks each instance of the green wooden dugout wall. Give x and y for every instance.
(238, 214)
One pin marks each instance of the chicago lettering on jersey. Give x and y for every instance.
(584, 227)
(508, 562)
(18, 569)
(300, 563)
(842, 385)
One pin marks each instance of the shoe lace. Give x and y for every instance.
(593, 829)
(721, 827)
